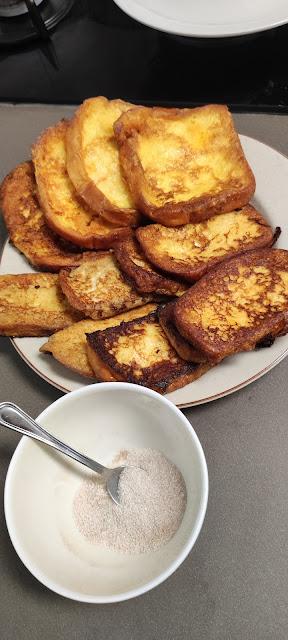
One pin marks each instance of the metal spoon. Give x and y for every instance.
(16, 419)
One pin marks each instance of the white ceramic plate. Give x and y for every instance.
(208, 18)
(271, 172)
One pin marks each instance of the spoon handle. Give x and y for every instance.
(16, 419)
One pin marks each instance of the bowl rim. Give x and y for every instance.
(163, 575)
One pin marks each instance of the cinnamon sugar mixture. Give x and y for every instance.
(152, 504)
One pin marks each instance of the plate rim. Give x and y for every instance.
(180, 405)
(163, 24)
(39, 373)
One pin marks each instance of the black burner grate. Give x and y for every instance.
(16, 24)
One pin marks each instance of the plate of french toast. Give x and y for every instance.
(147, 245)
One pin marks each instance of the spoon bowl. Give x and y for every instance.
(102, 420)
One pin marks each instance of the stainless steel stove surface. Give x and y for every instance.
(96, 49)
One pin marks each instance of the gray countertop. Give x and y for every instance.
(234, 584)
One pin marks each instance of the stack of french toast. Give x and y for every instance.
(151, 265)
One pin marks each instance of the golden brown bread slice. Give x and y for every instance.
(69, 346)
(93, 160)
(32, 304)
(98, 289)
(139, 352)
(26, 224)
(193, 249)
(237, 305)
(185, 350)
(63, 211)
(141, 274)
(183, 165)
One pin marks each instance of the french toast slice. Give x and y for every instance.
(139, 352)
(63, 211)
(193, 249)
(183, 165)
(93, 160)
(26, 224)
(98, 288)
(184, 349)
(69, 346)
(32, 304)
(141, 274)
(237, 305)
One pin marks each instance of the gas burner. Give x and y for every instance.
(12, 8)
(21, 21)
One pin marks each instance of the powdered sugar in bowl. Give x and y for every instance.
(100, 420)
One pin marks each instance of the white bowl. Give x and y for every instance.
(99, 420)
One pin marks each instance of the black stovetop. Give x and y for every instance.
(97, 49)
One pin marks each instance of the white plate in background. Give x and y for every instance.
(271, 173)
(208, 18)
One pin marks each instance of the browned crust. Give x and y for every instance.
(194, 270)
(31, 326)
(99, 241)
(26, 319)
(185, 350)
(85, 187)
(163, 377)
(91, 305)
(144, 278)
(245, 339)
(104, 374)
(85, 230)
(26, 224)
(182, 381)
(101, 370)
(108, 211)
(198, 209)
(174, 214)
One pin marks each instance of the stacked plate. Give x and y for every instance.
(208, 18)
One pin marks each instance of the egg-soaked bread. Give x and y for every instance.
(141, 273)
(26, 224)
(63, 210)
(191, 250)
(98, 288)
(237, 305)
(32, 304)
(184, 349)
(139, 352)
(183, 165)
(93, 160)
